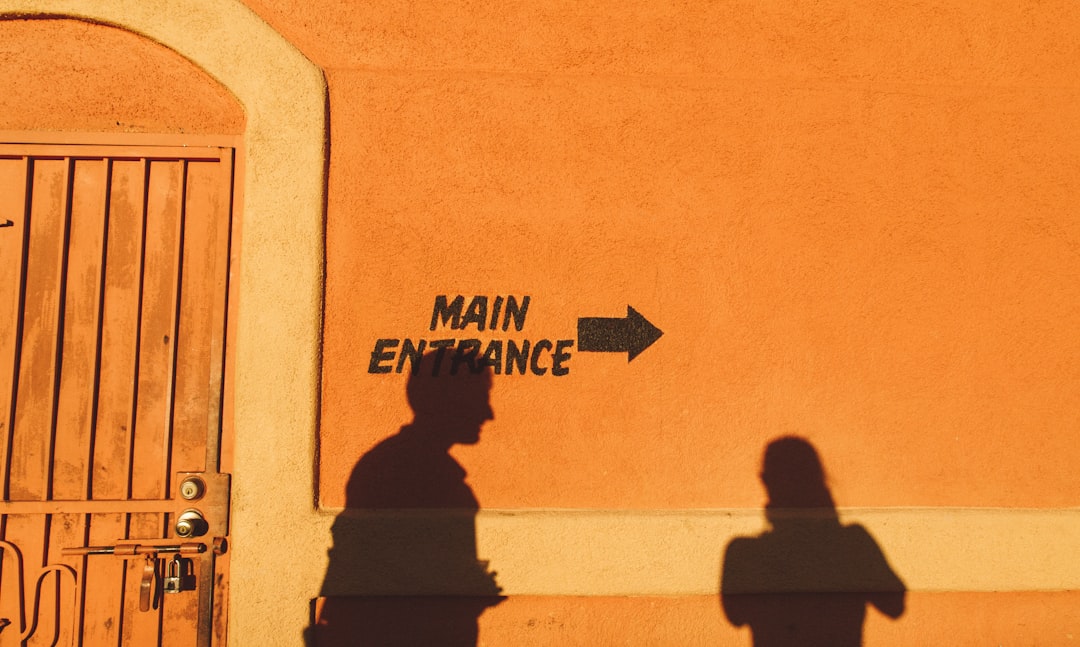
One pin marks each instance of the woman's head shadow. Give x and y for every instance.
(808, 579)
(794, 476)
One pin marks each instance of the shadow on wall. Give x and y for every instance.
(806, 581)
(407, 539)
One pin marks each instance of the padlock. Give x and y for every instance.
(179, 576)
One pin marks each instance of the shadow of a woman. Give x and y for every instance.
(807, 581)
(407, 538)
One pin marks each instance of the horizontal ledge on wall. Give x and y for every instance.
(681, 552)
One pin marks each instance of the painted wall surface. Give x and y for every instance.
(77, 76)
(853, 224)
(848, 228)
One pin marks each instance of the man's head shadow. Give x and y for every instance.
(451, 403)
(450, 399)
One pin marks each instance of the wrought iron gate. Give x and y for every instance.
(114, 270)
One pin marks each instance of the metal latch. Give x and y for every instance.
(148, 585)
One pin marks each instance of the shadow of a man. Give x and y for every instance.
(407, 538)
(806, 581)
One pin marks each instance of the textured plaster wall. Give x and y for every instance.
(78, 76)
(848, 228)
(853, 223)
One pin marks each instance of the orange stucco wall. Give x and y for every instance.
(853, 223)
(879, 269)
(1029, 619)
(932, 619)
(70, 75)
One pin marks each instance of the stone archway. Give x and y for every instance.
(276, 349)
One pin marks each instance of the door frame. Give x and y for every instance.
(93, 149)
(279, 292)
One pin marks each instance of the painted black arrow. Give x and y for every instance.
(630, 335)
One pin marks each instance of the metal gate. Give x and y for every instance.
(114, 268)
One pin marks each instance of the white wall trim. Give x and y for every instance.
(679, 552)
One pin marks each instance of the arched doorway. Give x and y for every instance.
(277, 286)
(113, 310)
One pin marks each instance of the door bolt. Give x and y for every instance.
(192, 488)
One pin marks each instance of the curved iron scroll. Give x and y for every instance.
(27, 628)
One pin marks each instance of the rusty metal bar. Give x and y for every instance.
(103, 506)
(17, 326)
(78, 151)
(132, 549)
(61, 312)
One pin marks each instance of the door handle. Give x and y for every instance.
(7, 223)
(148, 585)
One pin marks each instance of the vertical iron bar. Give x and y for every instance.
(171, 405)
(61, 308)
(138, 332)
(19, 326)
